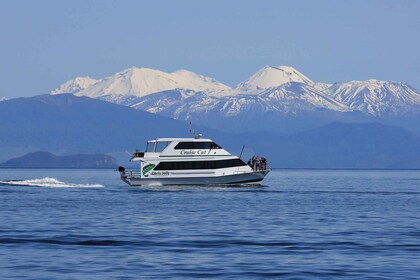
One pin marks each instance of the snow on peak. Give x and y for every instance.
(75, 86)
(198, 82)
(374, 96)
(144, 81)
(273, 76)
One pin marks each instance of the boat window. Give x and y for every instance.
(160, 146)
(204, 164)
(215, 146)
(150, 147)
(196, 145)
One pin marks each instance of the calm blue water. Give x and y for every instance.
(302, 224)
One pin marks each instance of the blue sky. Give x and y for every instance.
(45, 43)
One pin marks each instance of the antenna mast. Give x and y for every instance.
(196, 134)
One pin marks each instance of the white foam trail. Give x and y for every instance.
(49, 183)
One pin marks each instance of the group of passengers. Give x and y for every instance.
(258, 163)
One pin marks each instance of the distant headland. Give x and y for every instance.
(48, 160)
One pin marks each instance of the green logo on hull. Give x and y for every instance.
(148, 168)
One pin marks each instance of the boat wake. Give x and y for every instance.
(49, 183)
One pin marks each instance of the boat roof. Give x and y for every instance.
(181, 139)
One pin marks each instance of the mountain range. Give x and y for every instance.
(276, 98)
(67, 124)
(277, 112)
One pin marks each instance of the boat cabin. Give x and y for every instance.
(179, 147)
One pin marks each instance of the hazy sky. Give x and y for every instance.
(45, 43)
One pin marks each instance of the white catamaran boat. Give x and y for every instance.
(190, 161)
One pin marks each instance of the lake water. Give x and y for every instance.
(301, 224)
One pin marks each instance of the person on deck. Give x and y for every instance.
(263, 163)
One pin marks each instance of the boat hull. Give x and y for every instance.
(251, 178)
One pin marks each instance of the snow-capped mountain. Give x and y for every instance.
(375, 97)
(143, 81)
(272, 76)
(75, 86)
(273, 90)
(288, 98)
